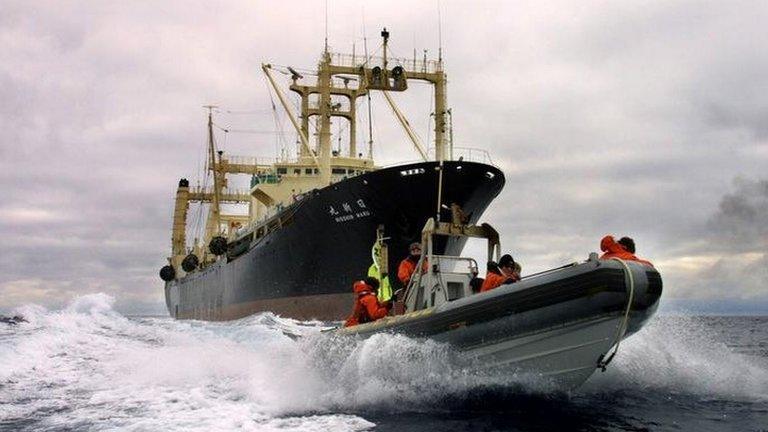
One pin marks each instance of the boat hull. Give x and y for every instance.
(305, 268)
(556, 326)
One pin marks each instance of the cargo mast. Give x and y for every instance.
(213, 226)
(277, 184)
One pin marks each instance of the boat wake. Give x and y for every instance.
(88, 367)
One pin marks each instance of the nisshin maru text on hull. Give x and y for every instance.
(314, 218)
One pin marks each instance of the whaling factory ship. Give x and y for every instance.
(313, 218)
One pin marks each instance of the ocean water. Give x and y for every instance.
(88, 368)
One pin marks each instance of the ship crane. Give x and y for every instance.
(340, 81)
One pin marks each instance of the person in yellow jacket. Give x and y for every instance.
(385, 289)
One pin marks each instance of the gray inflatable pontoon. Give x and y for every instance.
(560, 325)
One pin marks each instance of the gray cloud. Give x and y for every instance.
(742, 218)
(607, 118)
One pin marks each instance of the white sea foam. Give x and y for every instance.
(681, 355)
(88, 366)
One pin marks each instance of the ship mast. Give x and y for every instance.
(369, 76)
(324, 86)
(282, 183)
(438, 79)
(214, 221)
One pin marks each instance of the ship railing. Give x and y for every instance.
(468, 154)
(414, 64)
(459, 154)
(225, 191)
(249, 160)
(205, 194)
(271, 219)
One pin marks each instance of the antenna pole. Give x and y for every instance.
(439, 190)
(450, 132)
(214, 227)
(326, 26)
(439, 34)
(385, 36)
(368, 95)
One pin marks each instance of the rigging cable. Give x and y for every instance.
(198, 222)
(274, 116)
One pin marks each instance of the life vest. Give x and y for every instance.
(408, 266)
(613, 249)
(405, 269)
(495, 280)
(367, 308)
(385, 289)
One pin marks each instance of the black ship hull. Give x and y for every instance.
(304, 266)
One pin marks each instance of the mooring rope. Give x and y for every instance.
(603, 361)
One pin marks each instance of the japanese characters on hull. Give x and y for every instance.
(348, 212)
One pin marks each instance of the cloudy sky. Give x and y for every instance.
(647, 119)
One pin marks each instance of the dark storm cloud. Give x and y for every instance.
(733, 244)
(606, 118)
(742, 217)
(626, 119)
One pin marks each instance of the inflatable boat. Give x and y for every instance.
(560, 325)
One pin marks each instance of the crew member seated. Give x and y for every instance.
(507, 271)
(624, 249)
(367, 307)
(476, 284)
(408, 265)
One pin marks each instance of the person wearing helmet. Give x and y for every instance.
(507, 271)
(623, 249)
(367, 307)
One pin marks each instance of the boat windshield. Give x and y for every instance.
(453, 264)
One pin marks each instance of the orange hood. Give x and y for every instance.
(608, 244)
(361, 287)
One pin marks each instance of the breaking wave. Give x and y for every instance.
(86, 366)
(682, 355)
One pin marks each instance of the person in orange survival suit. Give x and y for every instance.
(506, 272)
(367, 307)
(408, 265)
(624, 249)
